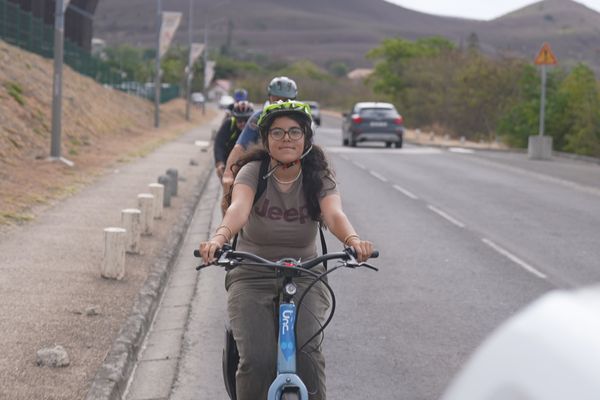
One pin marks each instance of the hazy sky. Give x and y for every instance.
(475, 9)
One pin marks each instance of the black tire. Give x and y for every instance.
(344, 142)
(388, 144)
(399, 144)
(290, 395)
(352, 143)
(230, 361)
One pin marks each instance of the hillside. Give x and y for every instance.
(101, 126)
(571, 28)
(318, 30)
(344, 30)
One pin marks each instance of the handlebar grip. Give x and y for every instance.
(375, 253)
(218, 252)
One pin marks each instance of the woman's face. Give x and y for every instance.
(286, 139)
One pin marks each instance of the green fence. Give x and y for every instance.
(22, 29)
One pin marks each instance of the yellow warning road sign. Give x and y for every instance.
(546, 56)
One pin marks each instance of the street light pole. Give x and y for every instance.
(157, 66)
(189, 66)
(205, 60)
(59, 32)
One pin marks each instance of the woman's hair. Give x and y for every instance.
(315, 171)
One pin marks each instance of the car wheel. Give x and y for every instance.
(388, 144)
(344, 142)
(352, 143)
(399, 144)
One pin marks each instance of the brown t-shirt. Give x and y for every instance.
(279, 225)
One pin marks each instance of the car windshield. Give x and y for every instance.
(378, 113)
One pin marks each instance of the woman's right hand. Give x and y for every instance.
(363, 248)
(208, 248)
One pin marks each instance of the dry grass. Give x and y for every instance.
(100, 127)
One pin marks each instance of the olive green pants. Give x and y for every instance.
(253, 312)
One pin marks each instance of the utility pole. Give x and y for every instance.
(543, 101)
(59, 32)
(205, 60)
(157, 66)
(189, 66)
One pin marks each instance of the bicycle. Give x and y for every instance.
(287, 384)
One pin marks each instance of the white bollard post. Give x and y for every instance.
(113, 263)
(146, 206)
(131, 220)
(158, 192)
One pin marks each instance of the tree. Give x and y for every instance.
(392, 75)
(581, 95)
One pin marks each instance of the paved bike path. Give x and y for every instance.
(174, 363)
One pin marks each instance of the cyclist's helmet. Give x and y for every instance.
(293, 109)
(283, 87)
(240, 95)
(242, 110)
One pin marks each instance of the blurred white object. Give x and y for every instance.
(225, 101)
(548, 351)
(197, 98)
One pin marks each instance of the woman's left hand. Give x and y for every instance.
(363, 249)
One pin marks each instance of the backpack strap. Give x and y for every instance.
(323, 244)
(261, 186)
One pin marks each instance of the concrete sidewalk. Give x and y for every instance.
(174, 363)
(51, 292)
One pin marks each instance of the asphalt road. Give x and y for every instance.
(466, 240)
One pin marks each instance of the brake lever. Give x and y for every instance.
(364, 264)
(221, 257)
(199, 267)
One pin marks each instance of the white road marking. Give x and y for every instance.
(460, 150)
(446, 216)
(380, 177)
(359, 165)
(202, 143)
(406, 192)
(514, 258)
(382, 150)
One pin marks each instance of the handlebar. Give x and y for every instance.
(230, 258)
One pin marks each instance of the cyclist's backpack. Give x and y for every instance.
(260, 189)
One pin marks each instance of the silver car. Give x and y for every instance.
(315, 111)
(373, 122)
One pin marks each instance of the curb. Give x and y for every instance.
(110, 380)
